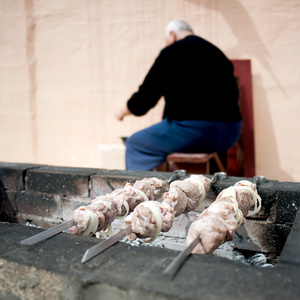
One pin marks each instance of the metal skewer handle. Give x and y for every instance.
(218, 176)
(102, 246)
(176, 175)
(48, 233)
(180, 258)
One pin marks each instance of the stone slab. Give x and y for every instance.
(38, 204)
(131, 272)
(288, 201)
(290, 253)
(12, 175)
(60, 180)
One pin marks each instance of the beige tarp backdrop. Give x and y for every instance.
(66, 65)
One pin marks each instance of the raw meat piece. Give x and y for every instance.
(149, 218)
(218, 223)
(106, 206)
(186, 195)
(152, 187)
(86, 220)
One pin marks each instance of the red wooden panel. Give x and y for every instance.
(242, 70)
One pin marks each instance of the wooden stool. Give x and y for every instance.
(194, 162)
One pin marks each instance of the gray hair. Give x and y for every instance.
(178, 26)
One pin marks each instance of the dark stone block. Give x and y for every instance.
(12, 175)
(276, 236)
(261, 236)
(291, 250)
(60, 180)
(288, 201)
(36, 204)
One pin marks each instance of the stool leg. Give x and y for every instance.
(219, 163)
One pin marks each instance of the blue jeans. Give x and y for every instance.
(148, 148)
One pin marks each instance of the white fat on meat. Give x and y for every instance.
(148, 219)
(120, 197)
(203, 184)
(134, 196)
(106, 206)
(152, 187)
(218, 223)
(177, 199)
(243, 190)
(86, 220)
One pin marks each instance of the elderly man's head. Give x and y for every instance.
(177, 30)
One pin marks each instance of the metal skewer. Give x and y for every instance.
(176, 175)
(48, 233)
(180, 258)
(102, 246)
(173, 267)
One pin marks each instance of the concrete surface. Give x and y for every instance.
(55, 270)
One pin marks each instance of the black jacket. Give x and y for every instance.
(196, 80)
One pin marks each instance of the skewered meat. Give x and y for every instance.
(103, 210)
(130, 194)
(177, 198)
(106, 206)
(120, 197)
(218, 223)
(188, 194)
(87, 220)
(149, 218)
(152, 187)
(244, 194)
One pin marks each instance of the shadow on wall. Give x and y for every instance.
(247, 35)
(266, 130)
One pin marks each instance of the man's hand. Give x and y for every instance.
(121, 113)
